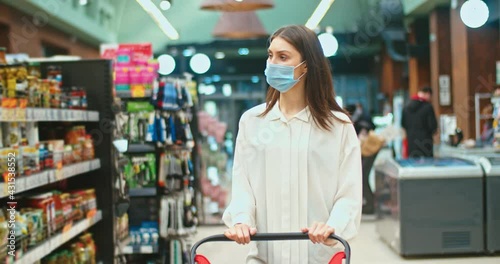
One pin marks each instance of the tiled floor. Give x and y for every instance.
(367, 249)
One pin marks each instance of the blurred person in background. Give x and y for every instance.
(297, 164)
(370, 147)
(419, 122)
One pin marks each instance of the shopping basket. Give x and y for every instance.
(336, 259)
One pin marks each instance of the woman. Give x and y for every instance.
(297, 162)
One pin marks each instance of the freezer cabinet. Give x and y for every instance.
(491, 167)
(430, 206)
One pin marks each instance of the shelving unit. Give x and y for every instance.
(26, 183)
(146, 201)
(58, 240)
(142, 192)
(47, 115)
(141, 148)
(128, 94)
(97, 78)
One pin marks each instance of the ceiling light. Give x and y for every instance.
(83, 2)
(474, 13)
(227, 90)
(329, 44)
(167, 64)
(239, 25)
(165, 5)
(188, 52)
(216, 78)
(159, 18)
(319, 13)
(200, 63)
(243, 51)
(220, 55)
(236, 5)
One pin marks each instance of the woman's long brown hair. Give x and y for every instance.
(320, 95)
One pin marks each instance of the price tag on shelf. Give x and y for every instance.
(147, 249)
(91, 214)
(38, 114)
(64, 114)
(93, 116)
(67, 227)
(96, 164)
(67, 232)
(20, 114)
(127, 250)
(8, 114)
(29, 114)
(55, 114)
(51, 176)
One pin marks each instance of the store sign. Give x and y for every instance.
(444, 90)
(139, 51)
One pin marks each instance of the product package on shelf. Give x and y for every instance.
(141, 171)
(145, 234)
(33, 156)
(81, 251)
(135, 70)
(172, 95)
(178, 216)
(175, 172)
(143, 124)
(41, 216)
(22, 86)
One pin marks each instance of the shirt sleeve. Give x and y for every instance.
(345, 216)
(242, 206)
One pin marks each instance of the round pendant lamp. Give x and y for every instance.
(236, 5)
(239, 25)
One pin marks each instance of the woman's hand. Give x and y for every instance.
(319, 233)
(240, 233)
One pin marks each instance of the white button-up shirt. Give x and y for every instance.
(288, 174)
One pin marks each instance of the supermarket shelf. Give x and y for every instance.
(139, 249)
(138, 192)
(26, 183)
(179, 234)
(75, 169)
(141, 148)
(48, 115)
(128, 94)
(58, 240)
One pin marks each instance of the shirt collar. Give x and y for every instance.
(275, 114)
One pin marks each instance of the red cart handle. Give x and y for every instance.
(268, 237)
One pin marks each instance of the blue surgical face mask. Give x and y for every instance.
(281, 77)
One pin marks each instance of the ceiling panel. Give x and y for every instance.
(195, 25)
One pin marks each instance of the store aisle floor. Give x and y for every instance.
(367, 249)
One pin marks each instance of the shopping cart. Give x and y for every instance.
(336, 259)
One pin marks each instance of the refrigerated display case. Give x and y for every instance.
(430, 206)
(491, 166)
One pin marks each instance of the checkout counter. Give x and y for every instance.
(430, 206)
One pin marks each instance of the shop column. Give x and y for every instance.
(418, 64)
(474, 54)
(440, 61)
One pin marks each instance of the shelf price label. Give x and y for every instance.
(93, 116)
(91, 214)
(20, 114)
(127, 250)
(38, 115)
(146, 249)
(29, 114)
